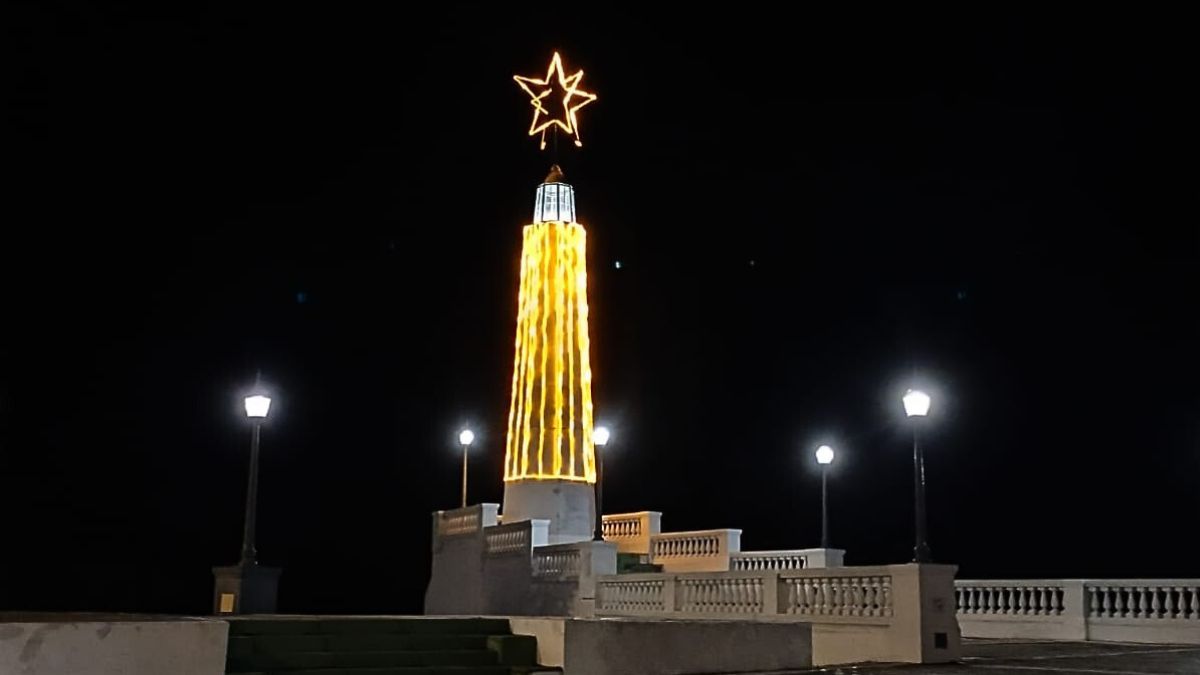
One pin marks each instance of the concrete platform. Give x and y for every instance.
(111, 644)
(1022, 657)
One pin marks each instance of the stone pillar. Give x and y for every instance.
(926, 620)
(817, 558)
(246, 589)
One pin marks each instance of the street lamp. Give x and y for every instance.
(257, 407)
(600, 437)
(916, 407)
(247, 587)
(465, 438)
(824, 458)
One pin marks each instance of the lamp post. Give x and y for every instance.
(257, 407)
(824, 458)
(916, 407)
(247, 587)
(465, 438)
(600, 437)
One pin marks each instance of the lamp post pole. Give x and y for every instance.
(600, 437)
(921, 552)
(916, 407)
(249, 534)
(824, 507)
(465, 438)
(824, 458)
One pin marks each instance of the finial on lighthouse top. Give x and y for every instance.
(555, 100)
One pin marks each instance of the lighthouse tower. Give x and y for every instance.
(550, 461)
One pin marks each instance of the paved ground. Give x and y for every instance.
(1019, 657)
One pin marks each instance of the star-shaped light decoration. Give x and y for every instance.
(573, 98)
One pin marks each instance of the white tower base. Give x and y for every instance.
(569, 505)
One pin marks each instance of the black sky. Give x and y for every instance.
(811, 210)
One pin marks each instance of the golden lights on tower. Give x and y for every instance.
(556, 83)
(550, 413)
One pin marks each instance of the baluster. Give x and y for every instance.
(1123, 599)
(972, 604)
(1156, 604)
(1135, 595)
(826, 602)
(887, 596)
(1045, 604)
(1194, 603)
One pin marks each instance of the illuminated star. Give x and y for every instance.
(573, 98)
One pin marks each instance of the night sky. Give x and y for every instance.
(811, 210)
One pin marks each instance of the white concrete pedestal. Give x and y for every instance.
(570, 506)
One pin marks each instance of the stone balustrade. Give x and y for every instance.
(1011, 598)
(519, 537)
(1130, 610)
(557, 562)
(846, 595)
(631, 532)
(465, 521)
(893, 613)
(698, 551)
(635, 594)
(1152, 600)
(768, 561)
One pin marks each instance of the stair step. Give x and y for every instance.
(382, 642)
(311, 660)
(385, 646)
(424, 626)
(417, 670)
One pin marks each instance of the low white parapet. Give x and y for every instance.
(520, 537)
(1118, 610)
(698, 551)
(900, 613)
(631, 532)
(112, 646)
(464, 522)
(564, 576)
(799, 559)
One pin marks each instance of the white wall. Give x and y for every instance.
(659, 647)
(174, 647)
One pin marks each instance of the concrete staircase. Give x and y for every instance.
(379, 646)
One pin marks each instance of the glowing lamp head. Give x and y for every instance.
(916, 403)
(824, 455)
(466, 437)
(257, 406)
(600, 436)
